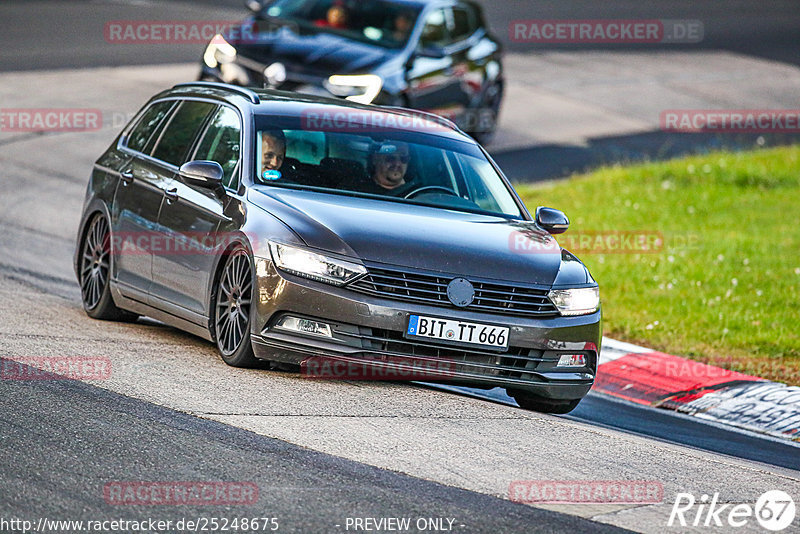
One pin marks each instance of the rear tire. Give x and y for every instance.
(233, 303)
(535, 403)
(95, 272)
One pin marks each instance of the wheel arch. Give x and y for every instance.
(219, 265)
(94, 208)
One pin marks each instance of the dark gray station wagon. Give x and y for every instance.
(355, 241)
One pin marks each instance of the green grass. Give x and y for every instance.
(724, 287)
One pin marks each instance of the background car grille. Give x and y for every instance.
(432, 289)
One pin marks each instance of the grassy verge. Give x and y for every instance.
(722, 286)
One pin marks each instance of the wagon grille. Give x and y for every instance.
(432, 290)
(516, 362)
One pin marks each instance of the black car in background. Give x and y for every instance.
(249, 219)
(431, 55)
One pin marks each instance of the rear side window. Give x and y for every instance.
(148, 124)
(434, 32)
(306, 146)
(221, 143)
(464, 22)
(181, 131)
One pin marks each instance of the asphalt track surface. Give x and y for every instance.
(318, 451)
(62, 438)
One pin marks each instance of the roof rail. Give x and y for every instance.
(250, 95)
(432, 116)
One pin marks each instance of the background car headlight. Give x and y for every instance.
(315, 266)
(218, 51)
(577, 301)
(361, 88)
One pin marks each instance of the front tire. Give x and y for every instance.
(233, 302)
(95, 273)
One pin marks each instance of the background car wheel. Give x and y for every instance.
(544, 405)
(95, 272)
(233, 297)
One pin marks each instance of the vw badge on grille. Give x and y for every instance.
(460, 292)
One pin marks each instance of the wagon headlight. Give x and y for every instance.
(218, 51)
(314, 266)
(361, 88)
(576, 301)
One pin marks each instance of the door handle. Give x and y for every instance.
(127, 176)
(171, 194)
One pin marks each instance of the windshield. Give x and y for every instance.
(383, 23)
(399, 166)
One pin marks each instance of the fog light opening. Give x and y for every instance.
(572, 360)
(305, 326)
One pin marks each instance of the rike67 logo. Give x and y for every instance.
(774, 511)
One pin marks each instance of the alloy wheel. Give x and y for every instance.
(95, 262)
(233, 302)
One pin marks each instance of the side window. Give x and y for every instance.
(306, 146)
(181, 131)
(220, 143)
(434, 32)
(464, 23)
(148, 124)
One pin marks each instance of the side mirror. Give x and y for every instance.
(552, 220)
(254, 5)
(431, 52)
(205, 174)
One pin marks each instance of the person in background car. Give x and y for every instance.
(403, 23)
(336, 18)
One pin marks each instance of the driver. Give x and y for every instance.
(388, 164)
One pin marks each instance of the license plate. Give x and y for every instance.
(486, 335)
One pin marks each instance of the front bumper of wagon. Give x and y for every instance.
(361, 336)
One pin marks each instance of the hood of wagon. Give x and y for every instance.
(419, 237)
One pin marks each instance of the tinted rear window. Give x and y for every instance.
(221, 142)
(181, 131)
(148, 124)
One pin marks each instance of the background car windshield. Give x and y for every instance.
(401, 166)
(374, 21)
